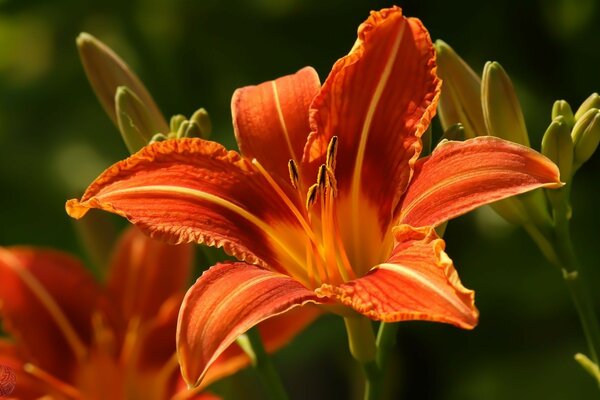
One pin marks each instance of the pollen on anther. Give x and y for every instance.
(332, 152)
(294, 175)
(322, 176)
(311, 195)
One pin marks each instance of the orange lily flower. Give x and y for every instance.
(73, 339)
(343, 218)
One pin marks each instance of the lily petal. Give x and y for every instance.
(378, 100)
(225, 302)
(47, 298)
(275, 333)
(270, 120)
(192, 190)
(461, 176)
(418, 282)
(145, 273)
(27, 386)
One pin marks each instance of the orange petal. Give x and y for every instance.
(47, 301)
(192, 190)
(145, 273)
(418, 282)
(275, 333)
(271, 119)
(461, 176)
(378, 101)
(157, 343)
(225, 302)
(27, 387)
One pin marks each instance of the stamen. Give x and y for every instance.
(314, 279)
(131, 341)
(311, 196)
(104, 337)
(326, 235)
(285, 199)
(332, 153)
(332, 181)
(52, 381)
(297, 272)
(294, 175)
(343, 260)
(322, 177)
(46, 299)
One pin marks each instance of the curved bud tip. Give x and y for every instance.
(460, 98)
(593, 101)
(586, 136)
(557, 145)
(106, 71)
(501, 109)
(135, 123)
(562, 109)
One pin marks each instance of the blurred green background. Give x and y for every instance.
(55, 138)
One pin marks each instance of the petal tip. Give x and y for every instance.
(76, 209)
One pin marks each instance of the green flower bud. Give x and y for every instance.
(189, 129)
(586, 136)
(512, 210)
(176, 121)
(562, 109)
(526, 208)
(134, 120)
(591, 102)
(501, 109)
(203, 120)
(557, 145)
(461, 93)
(159, 137)
(106, 71)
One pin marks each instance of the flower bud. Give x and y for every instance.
(586, 136)
(134, 120)
(501, 109)
(176, 121)
(562, 109)
(106, 71)
(591, 102)
(557, 145)
(461, 93)
(203, 120)
(188, 129)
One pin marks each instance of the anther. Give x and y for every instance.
(311, 195)
(322, 177)
(332, 182)
(332, 152)
(294, 175)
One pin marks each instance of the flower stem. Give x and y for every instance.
(557, 247)
(252, 344)
(373, 354)
(572, 275)
(361, 341)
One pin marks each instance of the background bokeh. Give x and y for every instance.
(55, 138)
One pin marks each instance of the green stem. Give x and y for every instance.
(386, 341)
(573, 278)
(252, 344)
(362, 347)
